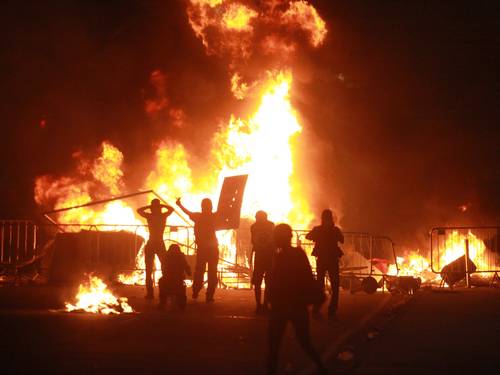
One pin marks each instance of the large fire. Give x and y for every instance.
(95, 297)
(259, 146)
(262, 144)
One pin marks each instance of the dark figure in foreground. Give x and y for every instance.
(157, 220)
(327, 252)
(262, 232)
(207, 252)
(174, 268)
(291, 287)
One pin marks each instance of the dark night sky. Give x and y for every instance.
(408, 135)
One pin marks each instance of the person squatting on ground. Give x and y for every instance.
(207, 252)
(262, 234)
(174, 269)
(292, 288)
(157, 220)
(327, 252)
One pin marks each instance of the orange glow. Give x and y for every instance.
(95, 297)
(260, 146)
(238, 87)
(210, 3)
(238, 17)
(107, 168)
(414, 264)
(260, 143)
(307, 17)
(226, 28)
(455, 248)
(274, 45)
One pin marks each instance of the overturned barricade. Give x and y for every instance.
(466, 254)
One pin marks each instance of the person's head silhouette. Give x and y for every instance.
(283, 236)
(327, 217)
(206, 205)
(155, 206)
(174, 248)
(260, 216)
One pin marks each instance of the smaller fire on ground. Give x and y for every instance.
(95, 297)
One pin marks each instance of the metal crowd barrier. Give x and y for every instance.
(481, 244)
(230, 273)
(100, 243)
(372, 252)
(18, 241)
(365, 263)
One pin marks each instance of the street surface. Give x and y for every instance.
(438, 332)
(221, 338)
(432, 332)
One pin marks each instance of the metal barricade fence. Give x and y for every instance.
(117, 244)
(365, 254)
(18, 241)
(480, 242)
(105, 247)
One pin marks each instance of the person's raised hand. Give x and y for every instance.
(178, 201)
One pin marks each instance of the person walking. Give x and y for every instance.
(292, 288)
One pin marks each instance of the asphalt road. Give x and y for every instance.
(221, 338)
(437, 332)
(432, 332)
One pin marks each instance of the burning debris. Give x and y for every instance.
(95, 297)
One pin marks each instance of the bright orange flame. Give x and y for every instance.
(103, 175)
(239, 88)
(238, 17)
(260, 145)
(95, 297)
(304, 14)
(226, 28)
(210, 3)
(455, 248)
(414, 264)
(107, 168)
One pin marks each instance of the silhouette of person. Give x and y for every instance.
(290, 285)
(207, 252)
(327, 252)
(174, 269)
(157, 220)
(262, 234)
